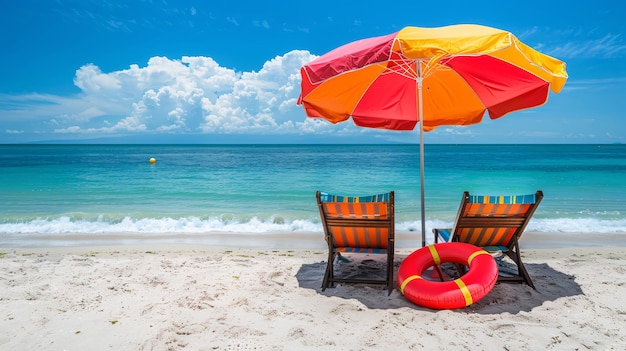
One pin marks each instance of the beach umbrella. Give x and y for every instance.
(449, 75)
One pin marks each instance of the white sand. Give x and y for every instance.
(175, 297)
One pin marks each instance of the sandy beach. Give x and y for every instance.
(206, 297)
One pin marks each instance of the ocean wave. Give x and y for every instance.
(553, 225)
(187, 225)
(273, 224)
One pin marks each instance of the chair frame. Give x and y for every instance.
(328, 222)
(512, 247)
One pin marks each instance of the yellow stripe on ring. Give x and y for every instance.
(407, 281)
(465, 291)
(479, 252)
(435, 254)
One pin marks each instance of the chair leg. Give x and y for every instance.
(521, 269)
(461, 269)
(439, 272)
(526, 276)
(389, 273)
(522, 273)
(329, 274)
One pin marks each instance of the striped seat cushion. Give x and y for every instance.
(486, 236)
(354, 238)
(502, 199)
(516, 206)
(361, 210)
(325, 197)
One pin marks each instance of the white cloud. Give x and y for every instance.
(458, 130)
(574, 42)
(233, 21)
(529, 32)
(607, 46)
(257, 100)
(188, 95)
(264, 23)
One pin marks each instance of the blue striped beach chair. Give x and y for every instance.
(496, 224)
(358, 224)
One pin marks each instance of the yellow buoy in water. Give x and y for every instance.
(153, 160)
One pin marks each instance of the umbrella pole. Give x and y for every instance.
(421, 122)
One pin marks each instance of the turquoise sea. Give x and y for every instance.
(110, 192)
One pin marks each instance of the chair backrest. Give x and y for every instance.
(358, 221)
(494, 220)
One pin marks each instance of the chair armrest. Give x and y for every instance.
(443, 233)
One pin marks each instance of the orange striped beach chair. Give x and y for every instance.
(358, 224)
(496, 224)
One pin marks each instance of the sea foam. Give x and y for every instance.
(194, 225)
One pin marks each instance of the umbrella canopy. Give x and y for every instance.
(435, 76)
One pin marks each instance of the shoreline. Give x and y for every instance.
(287, 240)
(200, 297)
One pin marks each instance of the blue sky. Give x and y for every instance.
(228, 71)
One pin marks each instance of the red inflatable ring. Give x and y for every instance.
(468, 289)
